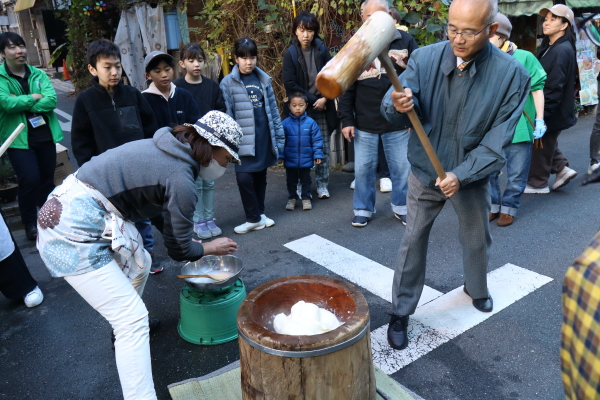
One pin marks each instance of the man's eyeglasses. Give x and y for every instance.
(452, 33)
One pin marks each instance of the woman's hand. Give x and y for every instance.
(318, 161)
(220, 247)
(320, 104)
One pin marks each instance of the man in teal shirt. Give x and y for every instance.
(518, 154)
(27, 96)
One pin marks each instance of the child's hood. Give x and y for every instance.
(154, 90)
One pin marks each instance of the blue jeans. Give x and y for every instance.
(518, 159)
(366, 158)
(144, 227)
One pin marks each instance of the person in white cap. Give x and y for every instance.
(86, 233)
(518, 153)
(557, 56)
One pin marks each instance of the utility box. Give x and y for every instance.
(63, 167)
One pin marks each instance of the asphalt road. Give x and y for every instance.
(61, 349)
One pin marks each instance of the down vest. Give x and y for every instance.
(239, 107)
(303, 142)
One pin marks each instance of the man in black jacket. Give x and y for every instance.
(359, 110)
(110, 114)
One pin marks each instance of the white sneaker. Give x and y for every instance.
(352, 184)
(266, 220)
(385, 185)
(34, 298)
(323, 193)
(564, 177)
(249, 226)
(532, 190)
(593, 167)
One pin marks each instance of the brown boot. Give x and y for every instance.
(505, 220)
(493, 216)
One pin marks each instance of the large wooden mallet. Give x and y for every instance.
(371, 41)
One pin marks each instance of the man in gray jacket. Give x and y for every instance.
(469, 96)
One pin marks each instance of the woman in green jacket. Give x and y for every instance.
(27, 96)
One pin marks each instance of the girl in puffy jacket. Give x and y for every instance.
(303, 148)
(250, 100)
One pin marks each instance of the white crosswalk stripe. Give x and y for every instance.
(374, 277)
(438, 318)
(65, 126)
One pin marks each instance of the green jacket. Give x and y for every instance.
(12, 108)
(524, 130)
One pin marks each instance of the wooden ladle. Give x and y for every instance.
(216, 276)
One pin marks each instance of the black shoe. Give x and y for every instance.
(154, 324)
(156, 267)
(484, 305)
(397, 333)
(31, 230)
(401, 217)
(360, 221)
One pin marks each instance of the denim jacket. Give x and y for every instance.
(491, 107)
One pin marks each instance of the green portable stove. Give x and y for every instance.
(208, 308)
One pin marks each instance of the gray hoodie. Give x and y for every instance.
(145, 178)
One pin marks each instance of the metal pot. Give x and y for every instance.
(211, 264)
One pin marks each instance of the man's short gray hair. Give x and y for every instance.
(384, 4)
(491, 16)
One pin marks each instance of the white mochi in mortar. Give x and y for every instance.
(305, 319)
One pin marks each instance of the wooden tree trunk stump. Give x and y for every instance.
(335, 365)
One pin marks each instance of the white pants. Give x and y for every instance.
(118, 300)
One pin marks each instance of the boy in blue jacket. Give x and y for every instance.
(303, 148)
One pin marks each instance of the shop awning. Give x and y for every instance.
(514, 8)
(583, 3)
(23, 5)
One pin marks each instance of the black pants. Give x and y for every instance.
(546, 161)
(35, 171)
(382, 166)
(15, 280)
(252, 187)
(292, 176)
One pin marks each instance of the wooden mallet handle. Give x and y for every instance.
(11, 138)
(386, 62)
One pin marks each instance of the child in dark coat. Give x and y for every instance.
(171, 105)
(303, 149)
(109, 113)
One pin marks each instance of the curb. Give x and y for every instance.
(12, 216)
(64, 86)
